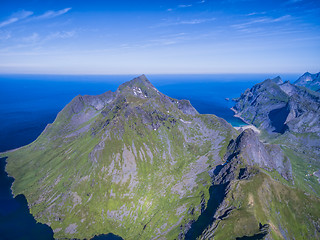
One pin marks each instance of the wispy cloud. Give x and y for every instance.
(29, 15)
(35, 40)
(52, 14)
(60, 35)
(181, 6)
(185, 22)
(263, 20)
(255, 13)
(195, 21)
(9, 21)
(34, 37)
(184, 5)
(16, 17)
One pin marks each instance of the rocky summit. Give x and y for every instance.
(142, 165)
(309, 80)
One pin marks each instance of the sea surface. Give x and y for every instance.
(29, 102)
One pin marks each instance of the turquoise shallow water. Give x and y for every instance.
(29, 102)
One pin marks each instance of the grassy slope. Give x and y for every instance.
(69, 192)
(304, 160)
(289, 211)
(302, 195)
(65, 188)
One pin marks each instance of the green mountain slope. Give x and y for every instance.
(142, 165)
(133, 162)
(260, 204)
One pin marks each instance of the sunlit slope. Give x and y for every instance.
(134, 163)
(141, 165)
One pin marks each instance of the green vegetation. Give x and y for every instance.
(136, 163)
(134, 168)
(289, 212)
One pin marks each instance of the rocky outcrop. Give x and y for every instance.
(253, 152)
(309, 80)
(278, 107)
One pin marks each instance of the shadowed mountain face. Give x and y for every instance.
(278, 107)
(309, 80)
(278, 119)
(141, 165)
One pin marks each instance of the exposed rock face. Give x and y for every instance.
(141, 165)
(317, 174)
(288, 115)
(269, 157)
(121, 162)
(277, 107)
(309, 80)
(253, 203)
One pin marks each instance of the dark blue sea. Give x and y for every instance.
(29, 102)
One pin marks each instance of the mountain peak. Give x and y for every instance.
(277, 80)
(309, 80)
(142, 79)
(137, 85)
(306, 73)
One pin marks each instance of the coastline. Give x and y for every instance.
(242, 128)
(5, 170)
(11, 150)
(236, 114)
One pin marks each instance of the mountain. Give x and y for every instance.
(277, 106)
(309, 80)
(288, 115)
(142, 165)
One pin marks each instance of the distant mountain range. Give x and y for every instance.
(309, 80)
(142, 165)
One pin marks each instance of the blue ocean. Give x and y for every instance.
(29, 102)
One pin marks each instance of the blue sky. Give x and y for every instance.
(133, 37)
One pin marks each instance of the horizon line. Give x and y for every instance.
(139, 74)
